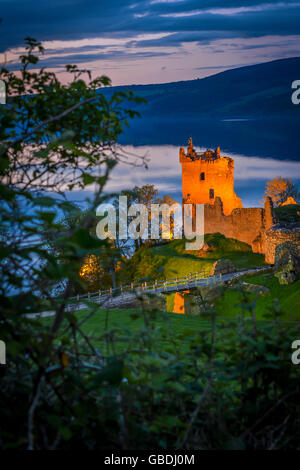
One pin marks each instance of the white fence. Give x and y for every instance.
(167, 285)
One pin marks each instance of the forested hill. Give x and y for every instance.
(245, 92)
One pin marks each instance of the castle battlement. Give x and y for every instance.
(192, 155)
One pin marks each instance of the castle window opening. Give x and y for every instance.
(202, 176)
(211, 194)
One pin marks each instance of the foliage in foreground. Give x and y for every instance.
(230, 386)
(54, 139)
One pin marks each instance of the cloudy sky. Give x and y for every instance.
(151, 41)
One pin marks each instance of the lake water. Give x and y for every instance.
(251, 173)
(262, 149)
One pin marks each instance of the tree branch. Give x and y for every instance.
(55, 118)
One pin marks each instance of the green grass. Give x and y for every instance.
(124, 325)
(287, 297)
(172, 260)
(175, 330)
(133, 319)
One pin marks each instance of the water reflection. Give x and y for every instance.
(251, 172)
(269, 137)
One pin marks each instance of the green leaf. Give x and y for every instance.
(113, 374)
(87, 179)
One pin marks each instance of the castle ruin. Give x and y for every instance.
(208, 178)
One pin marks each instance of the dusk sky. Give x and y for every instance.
(139, 41)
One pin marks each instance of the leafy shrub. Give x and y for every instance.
(230, 386)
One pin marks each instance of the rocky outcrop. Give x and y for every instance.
(287, 262)
(283, 252)
(286, 276)
(255, 288)
(279, 234)
(223, 266)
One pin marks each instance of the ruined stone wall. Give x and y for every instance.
(278, 234)
(254, 226)
(208, 178)
(244, 224)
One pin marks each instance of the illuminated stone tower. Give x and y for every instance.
(206, 176)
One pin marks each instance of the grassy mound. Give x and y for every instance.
(286, 299)
(173, 260)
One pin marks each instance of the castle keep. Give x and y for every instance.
(206, 176)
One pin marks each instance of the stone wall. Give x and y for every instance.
(208, 178)
(245, 224)
(278, 234)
